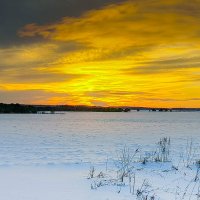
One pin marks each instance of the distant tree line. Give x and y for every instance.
(80, 108)
(17, 108)
(20, 108)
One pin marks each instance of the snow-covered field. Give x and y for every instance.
(44, 157)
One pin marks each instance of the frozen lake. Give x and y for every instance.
(76, 137)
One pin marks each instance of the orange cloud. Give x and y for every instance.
(132, 53)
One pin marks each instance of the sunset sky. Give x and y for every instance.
(100, 52)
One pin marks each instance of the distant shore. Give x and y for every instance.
(51, 109)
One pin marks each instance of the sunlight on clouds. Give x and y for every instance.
(139, 53)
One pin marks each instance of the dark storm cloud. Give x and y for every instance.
(14, 14)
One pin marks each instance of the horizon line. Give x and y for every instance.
(141, 107)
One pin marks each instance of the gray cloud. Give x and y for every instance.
(38, 77)
(34, 56)
(165, 66)
(170, 99)
(176, 61)
(107, 93)
(15, 14)
(22, 96)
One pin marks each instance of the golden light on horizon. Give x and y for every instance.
(134, 53)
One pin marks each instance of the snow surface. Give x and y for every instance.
(44, 157)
